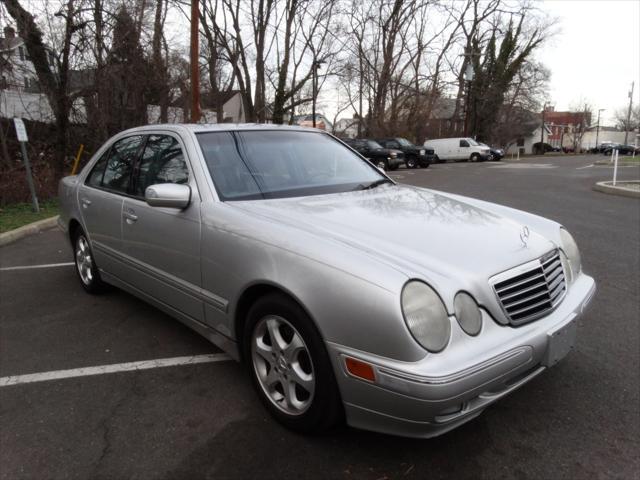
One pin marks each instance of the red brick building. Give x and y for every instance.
(564, 126)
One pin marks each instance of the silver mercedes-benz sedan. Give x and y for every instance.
(401, 309)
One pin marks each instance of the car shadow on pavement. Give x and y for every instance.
(257, 447)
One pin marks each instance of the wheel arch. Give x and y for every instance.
(251, 294)
(74, 228)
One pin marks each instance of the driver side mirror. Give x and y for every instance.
(171, 195)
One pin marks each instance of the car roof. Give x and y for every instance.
(221, 127)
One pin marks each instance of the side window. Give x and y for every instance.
(464, 143)
(392, 144)
(162, 162)
(121, 159)
(95, 177)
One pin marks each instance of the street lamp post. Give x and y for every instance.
(598, 126)
(316, 66)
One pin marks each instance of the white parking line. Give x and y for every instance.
(114, 368)
(586, 166)
(28, 267)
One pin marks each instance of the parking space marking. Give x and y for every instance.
(524, 165)
(29, 267)
(114, 368)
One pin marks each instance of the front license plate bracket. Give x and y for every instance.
(560, 342)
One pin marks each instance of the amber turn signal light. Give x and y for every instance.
(360, 369)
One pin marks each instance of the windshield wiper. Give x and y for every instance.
(375, 184)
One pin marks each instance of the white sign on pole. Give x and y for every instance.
(21, 131)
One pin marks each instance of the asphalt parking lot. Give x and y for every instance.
(580, 419)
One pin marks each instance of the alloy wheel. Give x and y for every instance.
(283, 366)
(84, 262)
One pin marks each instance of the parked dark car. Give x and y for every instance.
(497, 154)
(378, 155)
(542, 148)
(414, 156)
(622, 149)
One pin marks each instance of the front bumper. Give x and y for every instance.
(426, 159)
(395, 161)
(442, 391)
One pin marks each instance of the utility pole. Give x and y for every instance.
(195, 70)
(598, 126)
(544, 108)
(628, 125)
(316, 66)
(468, 75)
(360, 98)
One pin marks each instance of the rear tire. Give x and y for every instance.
(289, 365)
(86, 267)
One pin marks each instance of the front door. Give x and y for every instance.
(162, 245)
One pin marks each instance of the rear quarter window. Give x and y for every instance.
(95, 177)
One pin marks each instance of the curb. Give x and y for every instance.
(606, 187)
(620, 164)
(32, 228)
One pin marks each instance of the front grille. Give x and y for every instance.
(532, 292)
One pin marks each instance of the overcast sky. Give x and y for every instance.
(596, 55)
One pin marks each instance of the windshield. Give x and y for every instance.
(371, 144)
(404, 142)
(472, 142)
(274, 164)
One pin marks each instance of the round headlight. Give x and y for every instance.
(570, 248)
(426, 316)
(468, 313)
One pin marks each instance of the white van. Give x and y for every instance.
(458, 149)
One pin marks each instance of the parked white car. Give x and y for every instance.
(458, 149)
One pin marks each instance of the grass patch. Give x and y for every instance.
(629, 159)
(19, 214)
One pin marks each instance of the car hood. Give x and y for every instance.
(422, 233)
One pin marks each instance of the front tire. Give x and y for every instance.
(475, 157)
(289, 365)
(382, 164)
(86, 267)
(411, 162)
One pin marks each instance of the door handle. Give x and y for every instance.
(130, 217)
(85, 202)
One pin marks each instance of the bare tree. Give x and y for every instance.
(53, 81)
(630, 125)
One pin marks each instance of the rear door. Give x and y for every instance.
(162, 245)
(101, 197)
